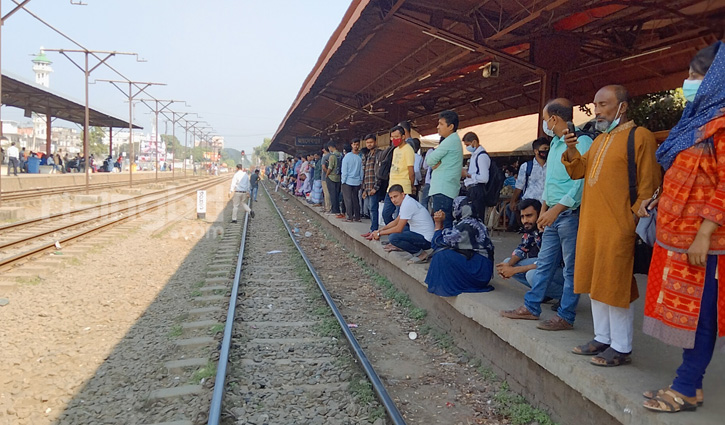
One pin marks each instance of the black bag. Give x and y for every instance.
(642, 251)
(385, 161)
(492, 189)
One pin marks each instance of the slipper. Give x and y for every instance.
(418, 260)
(611, 358)
(591, 348)
(365, 235)
(699, 394)
(670, 401)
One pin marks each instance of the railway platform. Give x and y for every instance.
(24, 181)
(537, 363)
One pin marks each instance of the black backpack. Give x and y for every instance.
(491, 189)
(385, 161)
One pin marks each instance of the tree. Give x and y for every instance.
(657, 111)
(95, 142)
(265, 156)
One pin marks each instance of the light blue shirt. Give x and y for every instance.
(559, 188)
(446, 179)
(352, 170)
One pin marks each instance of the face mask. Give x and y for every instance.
(397, 141)
(549, 132)
(543, 154)
(689, 89)
(605, 126)
(470, 149)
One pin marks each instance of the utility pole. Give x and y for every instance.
(156, 109)
(174, 120)
(141, 86)
(87, 70)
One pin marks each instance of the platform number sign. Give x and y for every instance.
(201, 204)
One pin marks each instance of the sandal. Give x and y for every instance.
(611, 358)
(669, 401)
(591, 348)
(699, 394)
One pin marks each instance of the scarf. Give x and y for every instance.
(468, 233)
(709, 104)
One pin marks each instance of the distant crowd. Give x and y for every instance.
(18, 161)
(594, 205)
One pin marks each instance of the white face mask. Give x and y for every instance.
(549, 132)
(606, 126)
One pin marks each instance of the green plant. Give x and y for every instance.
(196, 293)
(517, 409)
(34, 280)
(329, 327)
(219, 327)
(176, 331)
(204, 373)
(361, 389)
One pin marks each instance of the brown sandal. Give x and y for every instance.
(591, 348)
(699, 394)
(611, 358)
(669, 401)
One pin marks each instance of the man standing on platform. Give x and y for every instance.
(605, 250)
(559, 220)
(239, 192)
(371, 184)
(13, 155)
(352, 176)
(333, 179)
(447, 164)
(401, 170)
(324, 162)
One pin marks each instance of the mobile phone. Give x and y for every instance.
(570, 126)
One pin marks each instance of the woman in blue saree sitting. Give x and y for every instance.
(463, 255)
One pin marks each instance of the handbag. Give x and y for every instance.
(642, 249)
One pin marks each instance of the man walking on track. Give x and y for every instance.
(239, 190)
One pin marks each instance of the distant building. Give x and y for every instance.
(42, 69)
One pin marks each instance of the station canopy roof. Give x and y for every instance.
(391, 60)
(32, 97)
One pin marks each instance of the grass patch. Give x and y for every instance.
(74, 261)
(199, 284)
(329, 327)
(30, 280)
(176, 331)
(196, 293)
(517, 410)
(204, 373)
(362, 389)
(218, 328)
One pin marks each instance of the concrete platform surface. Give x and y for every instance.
(616, 390)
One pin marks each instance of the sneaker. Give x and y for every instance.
(555, 324)
(519, 313)
(251, 213)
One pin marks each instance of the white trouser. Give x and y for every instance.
(239, 198)
(613, 326)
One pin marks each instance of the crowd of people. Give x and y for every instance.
(18, 161)
(578, 203)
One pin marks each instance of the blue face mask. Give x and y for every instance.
(600, 124)
(549, 132)
(470, 148)
(689, 89)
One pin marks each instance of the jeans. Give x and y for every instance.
(374, 202)
(352, 204)
(334, 189)
(255, 189)
(445, 204)
(696, 359)
(557, 243)
(388, 209)
(410, 242)
(557, 284)
(424, 196)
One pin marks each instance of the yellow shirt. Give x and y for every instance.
(403, 157)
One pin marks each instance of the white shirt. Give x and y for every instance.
(418, 217)
(417, 167)
(535, 190)
(240, 182)
(13, 152)
(484, 163)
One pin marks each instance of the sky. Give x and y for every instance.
(237, 63)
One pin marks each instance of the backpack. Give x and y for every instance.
(529, 169)
(491, 189)
(385, 161)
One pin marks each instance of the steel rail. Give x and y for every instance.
(39, 220)
(382, 393)
(5, 262)
(215, 409)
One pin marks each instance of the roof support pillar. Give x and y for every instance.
(47, 131)
(110, 141)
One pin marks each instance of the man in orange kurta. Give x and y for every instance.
(605, 248)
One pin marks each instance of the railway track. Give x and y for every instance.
(21, 195)
(280, 359)
(23, 240)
